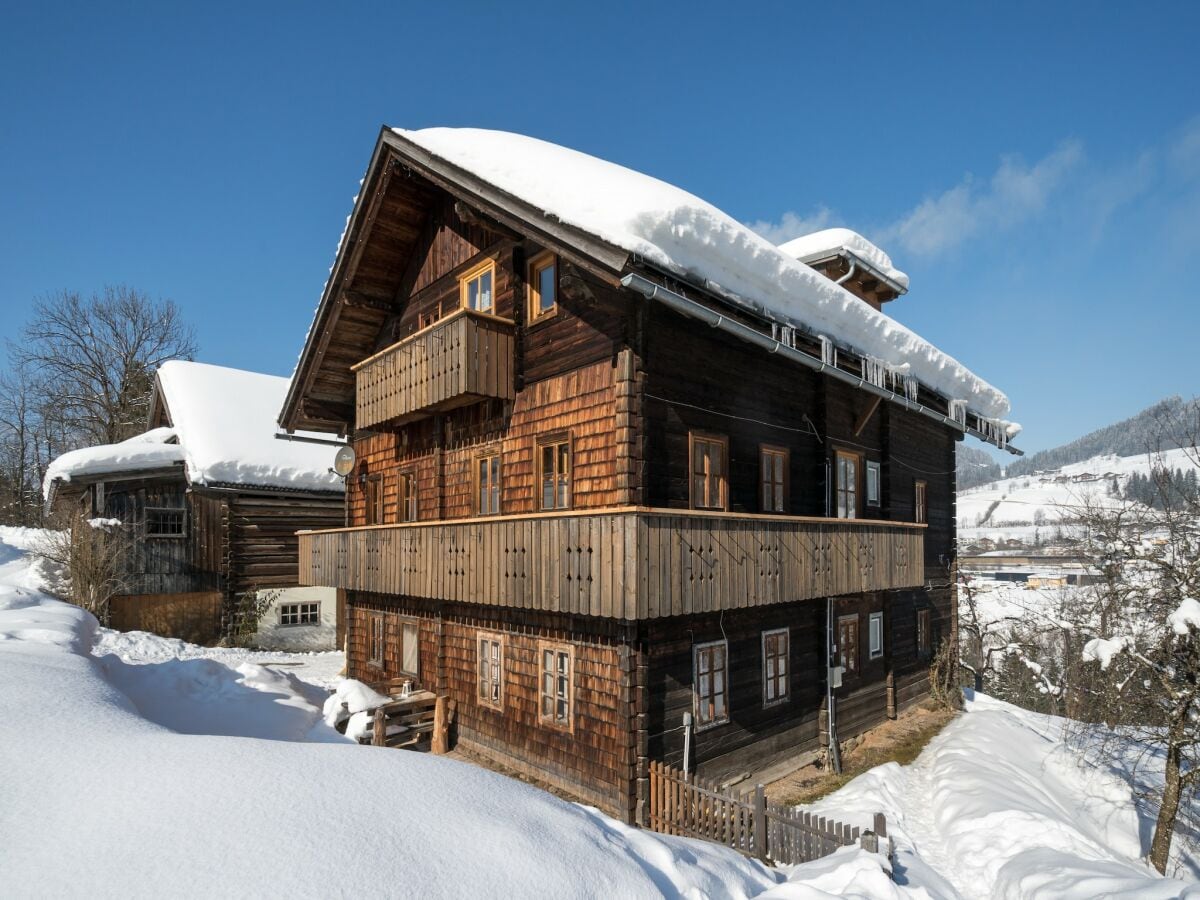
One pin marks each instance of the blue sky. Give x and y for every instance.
(1034, 167)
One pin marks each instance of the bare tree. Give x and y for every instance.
(91, 555)
(96, 358)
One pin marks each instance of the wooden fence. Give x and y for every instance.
(684, 806)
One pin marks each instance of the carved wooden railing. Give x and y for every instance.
(628, 563)
(459, 360)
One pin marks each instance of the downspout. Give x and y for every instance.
(848, 275)
(835, 757)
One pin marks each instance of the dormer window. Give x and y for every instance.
(477, 287)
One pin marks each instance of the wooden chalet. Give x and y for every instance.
(597, 495)
(209, 504)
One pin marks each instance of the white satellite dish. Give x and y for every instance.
(343, 463)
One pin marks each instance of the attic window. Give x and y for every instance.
(476, 287)
(543, 286)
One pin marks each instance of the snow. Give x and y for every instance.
(222, 428)
(1186, 617)
(153, 450)
(999, 805)
(821, 244)
(1104, 650)
(682, 233)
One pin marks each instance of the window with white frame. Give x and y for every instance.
(491, 670)
(710, 663)
(557, 663)
(300, 614)
(872, 483)
(775, 666)
(875, 635)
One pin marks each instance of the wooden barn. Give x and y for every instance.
(625, 471)
(206, 505)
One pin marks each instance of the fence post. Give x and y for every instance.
(881, 824)
(869, 841)
(379, 729)
(760, 822)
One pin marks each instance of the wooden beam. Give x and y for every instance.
(366, 301)
(327, 412)
(472, 216)
(867, 413)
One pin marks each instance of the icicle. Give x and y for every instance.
(828, 351)
(958, 412)
(875, 371)
(910, 387)
(789, 336)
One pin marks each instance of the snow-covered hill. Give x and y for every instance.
(1035, 507)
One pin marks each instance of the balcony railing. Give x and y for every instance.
(628, 563)
(463, 358)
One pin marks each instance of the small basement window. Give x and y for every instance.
(543, 286)
(875, 635)
(300, 614)
(476, 287)
(166, 522)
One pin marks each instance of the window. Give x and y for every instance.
(476, 287)
(709, 490)
(556, 694)
(491, 671)
(775, 666)
(710, 663)
(920, 511)
(773, 467)
(875, 635)
(847, 633)
(872, 483)
(924, 644)
(847, 485)
(406, 497)
(543, 286)
(554, 471)
(410, 647)
(300, 614)
(374, 500)
(166, 522)
(375, 639)
(425, 319)
(487, 485)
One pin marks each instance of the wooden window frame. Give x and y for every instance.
(180, 511)
(551, 720)
(403, 622)
(477, 485)
(475, 272)
(766, 452)
(533, 293)
(376, 632)
(783, 684)
(407, 498)
(554, 440)
(703, 723)
(921, 501)
(838, 490)
(707, 437)
(924, 635)
(872, 467)
(843, 656)
(299, 609)
(872, 618)
(495, 676)
(374, 510)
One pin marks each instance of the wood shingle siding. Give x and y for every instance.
(623, 563)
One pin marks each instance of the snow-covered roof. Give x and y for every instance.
(156, 449)
(223, 426)
(679, 232)
(841, 241)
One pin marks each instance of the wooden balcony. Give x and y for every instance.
(466, 357)
(629, 563)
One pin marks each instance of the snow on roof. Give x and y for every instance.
(831, 241)
(223, 430)
(682, 233)
(153, 450)
(225, 419)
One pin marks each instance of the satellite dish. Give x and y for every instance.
(343, 463)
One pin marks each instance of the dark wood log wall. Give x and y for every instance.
(595, 760)
(260, 529)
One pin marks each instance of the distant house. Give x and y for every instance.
(628, 477)
(209, 501)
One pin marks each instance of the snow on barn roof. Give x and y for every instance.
(679, 232)
(842, 241)
(223, 425)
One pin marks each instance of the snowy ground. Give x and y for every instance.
(135, 766)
